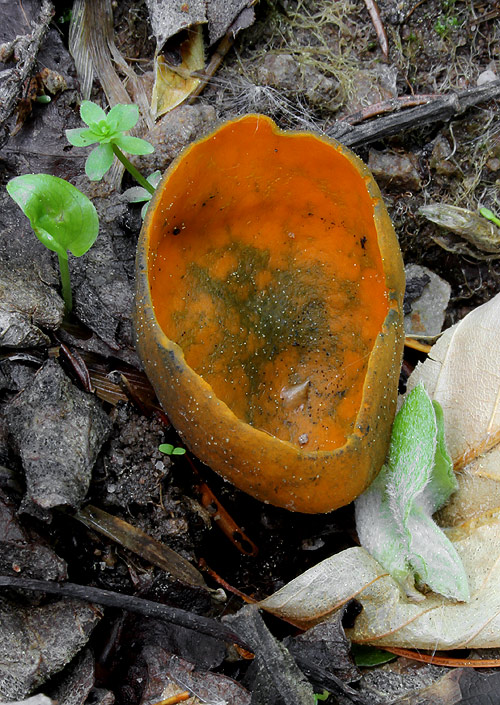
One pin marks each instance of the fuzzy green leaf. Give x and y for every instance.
(434, 559)
(365, 655)
(443, 481)
(133, 145)
(62, 217)
(166, 448)
(169, 449)
(378, 532)
(99, 161)
(489, 215)
(136, 194)
(144, 209)
(411, 453)
(393, 516)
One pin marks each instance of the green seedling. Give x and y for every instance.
(137, 194)
(489, 215)
(321, 696)
(444, 24)
(169, 449)
(369, 656)
(62, 217)
(394, 515)
(107, 131)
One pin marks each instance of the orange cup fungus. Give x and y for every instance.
(269, 312)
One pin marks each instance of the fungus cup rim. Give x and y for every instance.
(390, 336)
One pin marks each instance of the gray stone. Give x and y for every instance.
(58, 431)
(284, 72)
(27, 306)
(427, 312)
(36, 642)
(440, 157)
(394, 170)
(77, 681)
(22, 552)
(370, 86)
(176, 130)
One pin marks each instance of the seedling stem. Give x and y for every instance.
(132, 170)
(65, 282)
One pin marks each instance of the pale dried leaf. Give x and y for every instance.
(478, 490)
(471, 226)
(462, 373)
(174, 84)
(92, 45)
(389, 618)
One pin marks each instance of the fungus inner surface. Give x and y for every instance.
(265, 269)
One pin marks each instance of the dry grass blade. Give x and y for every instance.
(142, 544)
(91, 42)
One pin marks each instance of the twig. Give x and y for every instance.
(391, 105)
(372, 8)
(175, 699)
(442, 108)
(217, 58)
(130, 603)
(328, 680)
(221, 517)
(28, 48)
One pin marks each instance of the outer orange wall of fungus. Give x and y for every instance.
(269, 304)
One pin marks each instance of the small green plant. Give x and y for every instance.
(62, 217)
(489, 215)
(444, 24)
(321, 696)
(394, 515)
(169, 449)
(137, 194)
(108, 132)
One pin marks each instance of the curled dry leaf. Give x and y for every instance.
(462, 374)
(473, 227)
(179, 32)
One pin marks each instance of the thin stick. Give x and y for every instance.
(372, 8)
(138, 605)
(13, 79)
(65, 282)
(440, 109)
(132, 170)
